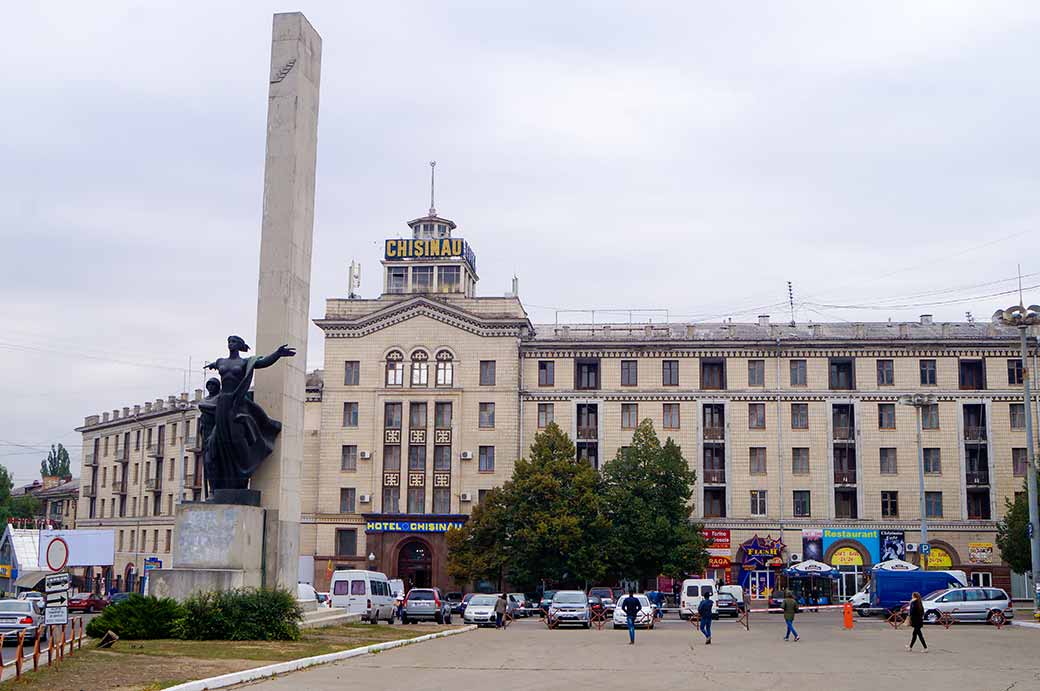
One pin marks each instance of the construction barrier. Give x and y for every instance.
(599, 619)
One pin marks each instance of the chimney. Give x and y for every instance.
(904, 330)
(137, 410)
(763, 320)
(648, 331)
(691, 330)
(198, 394)
(126, 411)
(946, 330)
(926, 319)
(184, 395)
(814, 329)
(859, 330)
(148, 407)
(171, 399)
(566, 332)
(115, 414)
(516, 287)
(104, 417)
(606, 331)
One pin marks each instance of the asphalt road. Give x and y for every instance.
(526, 655)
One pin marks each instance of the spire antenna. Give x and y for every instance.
(433, 179)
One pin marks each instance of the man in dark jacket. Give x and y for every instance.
(704, 612)
(916, 622)
(631, 606)
(790, 607)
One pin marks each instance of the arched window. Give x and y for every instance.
(420, 368)
(445, 368)
(395, 368)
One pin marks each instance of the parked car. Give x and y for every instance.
(521, 604)
(426, 604)
(34, 595)
(24, 614)
(480, 610)
(737, 592)
(606, 596)
(118, 597)
(87, 602)
(465, 602)
(571, 607)
(513, 606)
(546, 601)
(324, 600)
(454, 601)
(596, 605)
(967, 604)
(727, 606)
(363, 592)
(644, 619)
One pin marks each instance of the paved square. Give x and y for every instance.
(528, 656)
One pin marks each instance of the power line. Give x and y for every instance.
(920, 304)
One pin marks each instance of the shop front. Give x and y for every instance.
(760, 559)
(719, 555)
(411, 548)
(852, 552)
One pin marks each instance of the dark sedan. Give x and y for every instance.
(455, 602)
(727, 606)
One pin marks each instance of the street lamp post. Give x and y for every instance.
(918, 401)
(1023, 318)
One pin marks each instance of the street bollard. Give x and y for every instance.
(50, 644)
(847, 610)
(61, 649)
(19, 653)
(36, 647)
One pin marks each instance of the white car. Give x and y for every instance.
(480, 610)
(644, 619)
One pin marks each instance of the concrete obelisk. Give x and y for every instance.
(283, 299)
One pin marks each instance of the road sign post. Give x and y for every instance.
(57, 599)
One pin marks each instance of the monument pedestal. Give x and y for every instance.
(219, 547)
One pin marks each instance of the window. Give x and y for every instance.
(133, 541)
(416, 415)
(445, 368)
(798, 377)
(1018, 462)
(348, 457)
(756, 415)
(173, 437)
(169, 538)
(886, 373)
(800, 460)
(671, 416)
(713, 374)
(417, 457)
(104, 475)
(137, 441)
(629, 415)
(416, 500)
(487, 416)
(442, 457)
(392, 499)
(391, 457)
(545, 415)
(930, 416)
(346, 499)
(669, 373)
(487, 372)
(392, 415)
(629, 372)
(482, 495)
(420, 368)
(932, 462)
(442, 416)
(756, 372)
(395, 368)
(757, 460)
(546, 373)
(802, 505)
(890, 504)
(586, 373)
(486, 460)
(972, 374)
(1014, 369)
(1017, 411)
(350, 414)
(422, 279)
(842, 374)
(758, 502)
(448, 279)
(933, 507)
(889, 465)
(928, 377)
(351, 373)
(886, 415)
(441, 500)
(799, 416)
(397, 279)
(346, 543)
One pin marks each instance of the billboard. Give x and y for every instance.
(893, 545)
(85, 547)
(433, 248)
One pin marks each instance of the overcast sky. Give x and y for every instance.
(689, 157)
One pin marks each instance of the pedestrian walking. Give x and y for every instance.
(631, 607)
(704, 611)
(916, 622)
(500, 610)
(790, 608)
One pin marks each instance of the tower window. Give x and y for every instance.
(422, 279)
(449, 279)
(397, 279)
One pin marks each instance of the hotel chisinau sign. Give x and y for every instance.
(434, 248)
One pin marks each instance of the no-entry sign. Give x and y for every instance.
(57, 554)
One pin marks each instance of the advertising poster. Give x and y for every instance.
(980, 552)
(812, 544)
(867, 539)
(893, 545)
(718, 542)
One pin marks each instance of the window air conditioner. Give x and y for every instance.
(467, 455)
(365, 455)
(465, 496)
(366, 499)
(795, 558)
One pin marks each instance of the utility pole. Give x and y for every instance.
(919, 401)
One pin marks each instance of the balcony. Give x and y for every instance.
(119, 486)
(588, 433)
(714, 434)
(974, 434)
(844, 477)
(977, 477)
(714, 476)
(844, 434)
(153, 485)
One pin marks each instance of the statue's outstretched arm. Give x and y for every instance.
(268, 360)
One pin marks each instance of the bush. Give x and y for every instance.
(246, 614)
(137, 617)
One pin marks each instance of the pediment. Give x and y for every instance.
(421, 306)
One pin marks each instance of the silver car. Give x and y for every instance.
(20, 615)
(967, 604)
(571, 607)
(425, 604)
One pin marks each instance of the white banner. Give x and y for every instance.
(86, 547)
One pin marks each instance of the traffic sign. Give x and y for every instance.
(925, 548)
(56, 615)
(57, 582)
(57, 554)
(58, 599)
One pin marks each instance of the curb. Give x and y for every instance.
(256, 673)
(1026, 624)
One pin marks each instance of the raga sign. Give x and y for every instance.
(432, 248)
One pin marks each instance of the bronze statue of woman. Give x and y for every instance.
(242, 435)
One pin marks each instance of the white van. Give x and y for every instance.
(363, 592)
(693, 591)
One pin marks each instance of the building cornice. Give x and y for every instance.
(757, 349)
(421, 306)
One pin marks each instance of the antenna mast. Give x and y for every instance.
(433, 176)
(790, 300)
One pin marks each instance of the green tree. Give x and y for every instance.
(647, 490)
(477, 551)
(1012, 538)
(57, 463)
(25, 506)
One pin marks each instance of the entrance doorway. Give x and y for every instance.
(760, 584)
(415, 565)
